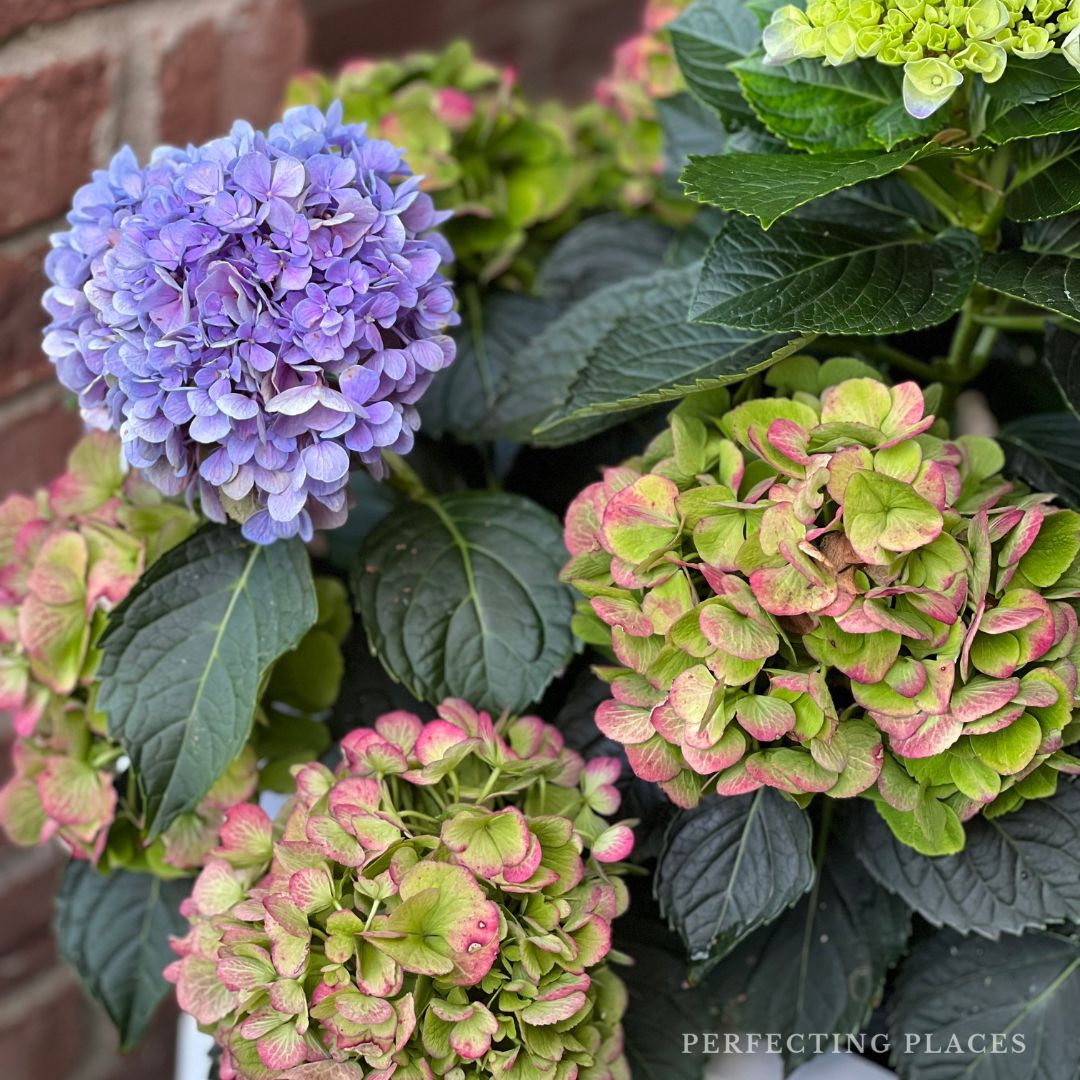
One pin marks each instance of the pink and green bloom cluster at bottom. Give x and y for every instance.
(68, 555)
(821, 592)
(440, 906)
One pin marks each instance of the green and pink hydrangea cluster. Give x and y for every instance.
(69, 554)
(938, 43)
(822, 592)
(505, 166)
(441, 906)
(623, 123)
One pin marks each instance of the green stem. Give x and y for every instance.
(404, 479)
(964, 337)
(1024, 324)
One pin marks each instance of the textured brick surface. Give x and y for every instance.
(558, 46)
(16, 15)
(22, 281)
(191, 86)
(35, 438)
(48, 122)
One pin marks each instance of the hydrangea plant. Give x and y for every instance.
(441, 903)
(938, 44)
(71, 554)
(517, 174)
(834, 614)
(251, 313)
(822, 593)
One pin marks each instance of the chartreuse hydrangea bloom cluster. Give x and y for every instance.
(251, 313)
(69, 554)
(441, 906)
(938, 43)
(822, 593)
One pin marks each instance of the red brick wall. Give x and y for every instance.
(78, 78)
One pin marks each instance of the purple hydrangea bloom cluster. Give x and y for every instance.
(250, 312)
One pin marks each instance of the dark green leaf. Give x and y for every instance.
(1047, 181)
(634, 347)
(819, 967)
(813, 106)
(460, 598)
(824, 277)
(462, 399)
(114, 930)
(884, 204)
(599, 252)
(730, 866)
(894, 125)
(185, 653)
(707, 37)
(689, 128)
(661, 1007)
(767, 186)
(1061, 354)
(1044, 450)
(1033, 99)
(1026, 989)
(1047, 280)
(1016, 872)
(1060, 236)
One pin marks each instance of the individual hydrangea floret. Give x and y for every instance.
(823, 593)
(253, 313)
(439, 906)
(938, 44)
(68, 556)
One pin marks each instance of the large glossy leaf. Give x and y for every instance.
(819, 967)
(767, 186)
(1026, 990)
(730, 866)
(707, 38)
(461, 400)
(635, 347)
(1047, 180)
(813, 106)
(601, 251)
(825, 277)
(1016, 872)
(460, 597)
(1061, 354)
(185, 653)
(1044, 450)
(114, 930)
(689, 128)
(1034, 99)
(1046, 279)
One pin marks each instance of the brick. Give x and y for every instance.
(22, 282)
(28, 880)
(343, 30)
(47, 124)
(36, 432)
(190, 85)
(216, 74)
(153, 1057)
(16, 15)
(266, 45)
(44, 1028)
